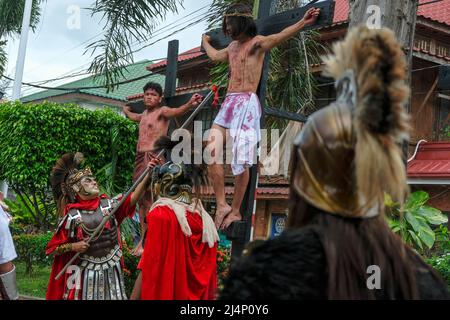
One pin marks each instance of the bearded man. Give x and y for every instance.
(97, 273)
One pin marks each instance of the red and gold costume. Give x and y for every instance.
(97, 273)
(180, 248)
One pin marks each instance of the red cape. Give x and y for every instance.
(174, 266)
(56, 288)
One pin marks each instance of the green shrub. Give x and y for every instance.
(31, 250)
(446, 132)
(442, 245)
(130, 271)
(223, 264)
(33, 137)
(414, 219)
(442, 265)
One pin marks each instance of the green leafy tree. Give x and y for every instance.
(414, 219)
(125, 22)
(31, 250)
(33, 137)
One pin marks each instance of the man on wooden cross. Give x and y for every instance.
(239, 115)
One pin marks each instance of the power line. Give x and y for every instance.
(415, 70)
(95, 87)
(86, 73)
(142, 77)
(33, 84)
(176, 23)
(169, 35)
(160, 31)
(63, 53)
(82, 88)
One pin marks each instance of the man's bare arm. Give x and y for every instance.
(213, 54)
(176, 112)
(269, 42)
(131, 115)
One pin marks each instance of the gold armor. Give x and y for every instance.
(172, 181)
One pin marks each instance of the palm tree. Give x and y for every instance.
(125, 22)
(132, 21)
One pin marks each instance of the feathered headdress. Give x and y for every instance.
(196, 173)
(349, 153)
(64, 175)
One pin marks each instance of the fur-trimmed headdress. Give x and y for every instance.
(348, 154)
(65, 174)
(194, 175)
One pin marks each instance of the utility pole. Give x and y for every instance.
(20, 63)
(398, 15)
(22, 49)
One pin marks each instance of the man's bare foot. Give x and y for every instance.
(233, 216)
(221, 213)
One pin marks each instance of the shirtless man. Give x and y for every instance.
(241, 111)
(153, 123)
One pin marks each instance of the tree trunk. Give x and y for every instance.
(398, 15)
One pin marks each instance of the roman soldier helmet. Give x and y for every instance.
(349, 155)
(65, 174)
(176, 180)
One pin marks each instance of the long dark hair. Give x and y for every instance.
(239, 25)
(351, 245)
(196, 173)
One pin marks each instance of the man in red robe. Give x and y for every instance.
(180, 248)
(97, 273)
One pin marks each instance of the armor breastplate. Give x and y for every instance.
(104, 245)
(101, 245)
(102, 277)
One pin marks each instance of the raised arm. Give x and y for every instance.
(175, 112)
(268, 42)
(131, 115)
(213, 54)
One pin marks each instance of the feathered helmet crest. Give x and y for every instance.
(349, 154)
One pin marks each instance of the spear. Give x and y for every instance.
(135, 184)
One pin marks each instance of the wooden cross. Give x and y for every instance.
(240, 232)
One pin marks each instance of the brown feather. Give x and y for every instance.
(380, 119)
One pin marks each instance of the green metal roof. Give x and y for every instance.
(120, 93)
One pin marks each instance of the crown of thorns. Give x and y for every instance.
(239, 14)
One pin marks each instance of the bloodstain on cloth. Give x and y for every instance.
(241, 113)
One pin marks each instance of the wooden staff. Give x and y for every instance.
(133, 187)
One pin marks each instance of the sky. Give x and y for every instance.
(58, 44)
